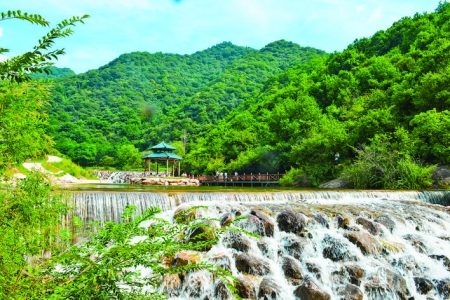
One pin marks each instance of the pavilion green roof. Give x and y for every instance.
(163, 156)
(163, 146)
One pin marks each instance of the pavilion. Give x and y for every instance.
(163, 152)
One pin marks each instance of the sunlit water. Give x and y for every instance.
(408, 250)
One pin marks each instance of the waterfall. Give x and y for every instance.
(373, 245)
(117, 176)
(108, 206)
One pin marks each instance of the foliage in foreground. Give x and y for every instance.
(381, 165)
(30, 229)
(39, 261)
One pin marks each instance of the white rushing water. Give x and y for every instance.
(406, 255)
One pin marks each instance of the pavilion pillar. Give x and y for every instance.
(149, 166)
(178, 168)
(173, 168)
(157, 168)
(167, 167)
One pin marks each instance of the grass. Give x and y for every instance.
(58, 169)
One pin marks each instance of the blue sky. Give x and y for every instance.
(187, 26)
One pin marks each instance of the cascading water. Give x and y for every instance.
(314, 245)
(117, 176)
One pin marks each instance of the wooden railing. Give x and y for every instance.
(241, 177)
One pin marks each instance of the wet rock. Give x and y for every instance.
(246, 287)
(387, 222)
(343, 221)
(198, 284)
(441, 177)
(292, 270)
(336, 249)
(442, 258)
(314, 269)
(308, 290)
(221, 291)
(321, 220)
(423, 285)
(202, 232)
(184, 258)
(290, 221)
(222, 260)
(264, 247)
(267, 223)
(386, 280)
(370, 226)
(237, 240)
(294, 246)
(365, 242)
(252, 265)
(184, 214)
(268, 289)
(416, 242)
(443, 287)
(355, 273)
(226, 219)
(350, 292)
(171, 284)
(335, 184)
(407, 262)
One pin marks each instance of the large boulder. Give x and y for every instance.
(252, 265)
(221, 291)
(269, 289)
(441, 177)
(246, 287)
(292, 270)
(237, 240)
(365, 242)
(186, 257)
(343, 221)
(423, 285)
(354, 272)
(202, 232)
(290, 221)
(321, 220)
(335, 184)
(387, 221)
(336, 249)
(370, 226)
(295, 246)
(184, 213)
(350, 292)
(264, 221)
(386, 281)
(308, 290)
(221, 260)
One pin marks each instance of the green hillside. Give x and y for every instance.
(384, 99)
(55, 72)
(382, 104)
(140, 98)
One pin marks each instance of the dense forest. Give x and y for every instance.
(381, 103)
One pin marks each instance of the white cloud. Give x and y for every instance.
(360, 9)
(3, 57)
(376, 14)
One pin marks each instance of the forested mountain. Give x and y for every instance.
(382, 104)
(55, 73)
(385, 96)
(139, 99)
